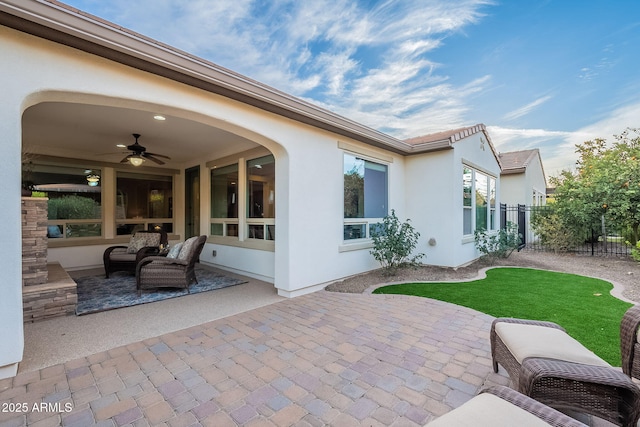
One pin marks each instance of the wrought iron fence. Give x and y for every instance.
(607, 240)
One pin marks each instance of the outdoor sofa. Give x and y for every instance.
(547, 364)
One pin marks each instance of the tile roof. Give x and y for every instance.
(446, 138)
(517, 161)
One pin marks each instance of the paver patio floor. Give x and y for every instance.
(319, 359)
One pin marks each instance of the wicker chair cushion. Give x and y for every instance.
(525, 341)
(187, 248)
(174, 251)
(122, 256)
(141, 240)
(488, 410)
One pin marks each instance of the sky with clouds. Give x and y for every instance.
(544, 74)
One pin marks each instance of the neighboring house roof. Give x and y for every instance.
(444, 140)
(517, 161)
(69, 26)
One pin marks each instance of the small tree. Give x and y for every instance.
(555, 231)
(394, 243)
(500, 244)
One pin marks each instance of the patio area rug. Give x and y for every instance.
(95, 293)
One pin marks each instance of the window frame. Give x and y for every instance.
(65, 225)
(470, 211)
(244, 224)
(227, 223)
(142, 223)
(366, 223)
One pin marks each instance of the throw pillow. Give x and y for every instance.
(175, 250)
(53, 231)
(141, 240)
(187, 247)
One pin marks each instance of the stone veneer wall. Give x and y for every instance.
(47, 290)
(34, 241)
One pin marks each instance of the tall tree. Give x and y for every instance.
(605, 185)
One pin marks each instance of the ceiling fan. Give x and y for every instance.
(139, 154)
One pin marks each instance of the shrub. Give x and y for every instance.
(500, 244)
(73, 207)
(554, 232)
(635, 251)
(394, 243)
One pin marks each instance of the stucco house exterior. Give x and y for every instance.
(451, 191)
(523, 180)
(262, 174)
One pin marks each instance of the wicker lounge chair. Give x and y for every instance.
(126, 258)
(501, 406)
(559, 372)
(629, 342)
(168, 272)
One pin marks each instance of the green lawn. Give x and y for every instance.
(582, 305)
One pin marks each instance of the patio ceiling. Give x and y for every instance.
(91, 132)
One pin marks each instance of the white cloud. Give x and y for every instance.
(524, 110)
(557, 148)
(370, 65)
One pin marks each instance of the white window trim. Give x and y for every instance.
(366, 242)
(243, 221)
(468, 238)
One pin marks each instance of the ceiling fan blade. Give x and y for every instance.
(153, 159)
(126, 159)
(157, 155)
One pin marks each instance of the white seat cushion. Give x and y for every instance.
(539, 341)
(119, 256)
(488, 410)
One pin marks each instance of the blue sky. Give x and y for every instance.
(544, 74)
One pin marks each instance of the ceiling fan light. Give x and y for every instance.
(136, 160)
(93, 180)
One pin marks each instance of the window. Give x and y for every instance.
(74, 208)
(243, 200)
(467, 189)
(143, 201)
(478, 201)
(224, 201)
(261, 198)
(365, 196)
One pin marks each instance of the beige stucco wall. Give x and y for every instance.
(434, 198)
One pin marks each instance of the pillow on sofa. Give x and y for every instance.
(141, 240)
(187, 247)
(174, 251)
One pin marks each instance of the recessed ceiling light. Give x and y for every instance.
(159, 117)
(121, 146)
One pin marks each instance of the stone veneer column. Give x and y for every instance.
(34, 241)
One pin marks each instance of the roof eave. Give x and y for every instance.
(428, 147)
(513, 171)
